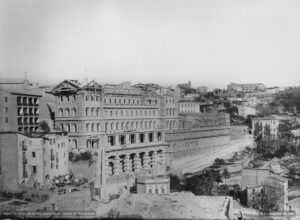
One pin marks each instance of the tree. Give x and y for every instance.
(219, 161)
(267, 131)
(268, 199)
(44, 126)
(226, 174)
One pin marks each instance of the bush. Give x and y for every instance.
(219, 161)
(44, 126)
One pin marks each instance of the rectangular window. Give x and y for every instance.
(34, 169)
(6, 120)
(6, 99)
(6, 109)
(33, 154)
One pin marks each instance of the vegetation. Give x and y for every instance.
(267, 200)
(44, 126)
(219, 161)
(81, 156)
(290, 99)
(226, 174)
(269, 147)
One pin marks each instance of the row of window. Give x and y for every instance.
(170, 111)
(113, 113)
(28, 111)
(171, 124)
(67, 98)
(66, 112)
(133, 101)
(115, 126)
(132, 113)
(28, 121)
(68, 127)
(27, 100)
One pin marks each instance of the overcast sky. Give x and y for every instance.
(210, 42)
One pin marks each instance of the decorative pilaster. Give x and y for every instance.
(117, 166)
(146, 161)
(128, 165)
(137, 138)
(137, 163)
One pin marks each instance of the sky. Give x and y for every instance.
(209, 42)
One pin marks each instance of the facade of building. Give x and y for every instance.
(262, 182)
(278, 186)
(252, 87)
(117, 115)
(253, 177)
(32, 159)
(155, 185)
(202, 89)
(244, 110)
(190, 107)
(20, 104)
(270, 121)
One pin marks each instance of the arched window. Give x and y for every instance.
(117, 126)
(74, 112)
(93, 127)
(75, 127)
(86, 112)
(98, 112)
(68, 128)
(150, 124)
(98, 127)
(67, 112)
(122, 125)
(106, 126)
(87, 126)
(146, 124)
(92, 111)
(61, 113)
(75, 144)
(112, 126)
(141, 125)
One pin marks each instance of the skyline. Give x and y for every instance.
(210, 43)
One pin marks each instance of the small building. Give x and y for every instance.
(32, 159)
(153, 185)
(253, 177)
(244, 110)
(202, 89)
(259, 182)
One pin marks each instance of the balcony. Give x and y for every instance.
(24, 147)
(25, 174)
(24, 160)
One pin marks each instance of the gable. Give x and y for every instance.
(66, 86)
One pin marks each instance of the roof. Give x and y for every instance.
(276, 177)
(21, 89)
(265, 118)
(33, 134)
(296, 132)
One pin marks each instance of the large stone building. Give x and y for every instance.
(32, 159)
(252, 87)
(118, 115)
